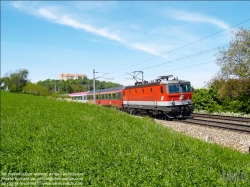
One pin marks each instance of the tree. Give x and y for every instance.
(17, 80)
(235, 61)
(232, 82)
(35, 89)
(3, 81)
(203, 100)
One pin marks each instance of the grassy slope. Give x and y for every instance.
(40, 135)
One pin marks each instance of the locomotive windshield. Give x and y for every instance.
(177, 88)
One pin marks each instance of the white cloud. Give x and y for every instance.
(58, 15)
(150, 50)
(196, 17)
(66, 19)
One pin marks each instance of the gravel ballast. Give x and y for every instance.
(237, 140)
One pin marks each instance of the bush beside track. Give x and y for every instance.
(109, 147)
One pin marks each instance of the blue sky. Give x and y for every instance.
(118, 37)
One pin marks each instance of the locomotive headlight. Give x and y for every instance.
(188, 100)
(172, 102)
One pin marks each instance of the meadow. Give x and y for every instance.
(106, 147)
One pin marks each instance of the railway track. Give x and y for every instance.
(225, 122)
(230, 118)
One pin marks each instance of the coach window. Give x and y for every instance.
(113, 96)
(110, 96)
(162, 90)
(119, 95)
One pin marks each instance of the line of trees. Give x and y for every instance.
(79, 85)
(18, 82)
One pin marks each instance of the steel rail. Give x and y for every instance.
(219, 124)
(231, 118)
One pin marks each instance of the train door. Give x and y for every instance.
(154, 96)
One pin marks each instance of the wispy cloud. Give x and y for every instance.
(58, 15)
(152, 50)
(196, 17)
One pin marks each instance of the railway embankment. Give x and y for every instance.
(96, 146)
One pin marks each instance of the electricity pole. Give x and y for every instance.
(94, 72)
(94, 84)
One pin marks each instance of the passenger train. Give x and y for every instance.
(163, 98)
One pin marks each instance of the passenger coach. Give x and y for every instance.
(79, 96)
(107, 97)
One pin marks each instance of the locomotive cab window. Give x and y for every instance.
(173, 88)
(177, 88)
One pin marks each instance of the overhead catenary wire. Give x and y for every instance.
(157, 56)
(179, 59)
(184, 67)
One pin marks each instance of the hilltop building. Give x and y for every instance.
(67, 76)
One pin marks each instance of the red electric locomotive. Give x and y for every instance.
(163, 98)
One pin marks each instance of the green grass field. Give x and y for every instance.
(106, 147)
